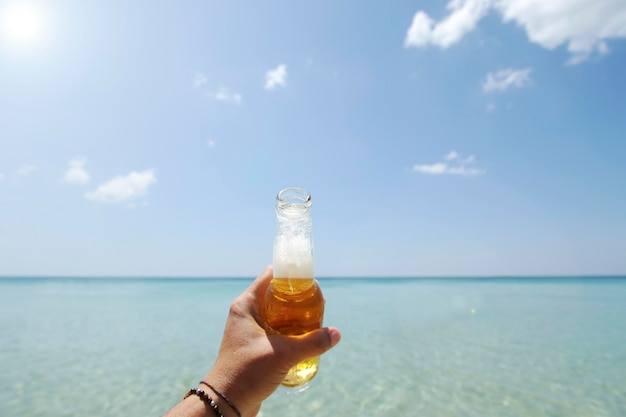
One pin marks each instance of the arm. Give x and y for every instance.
(251, 363)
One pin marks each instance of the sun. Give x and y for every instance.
(22, 25)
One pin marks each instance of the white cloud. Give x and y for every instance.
(224, 94)
(584, 26)
(276, 77)
(506, 78)
(26, 169)
(199, 79)
(455, 165)
(122, 189)
(490, 107)
(452, 155)
(210, 143)
(464, 14)
(75, 173)
(420, 31)
(455, 156)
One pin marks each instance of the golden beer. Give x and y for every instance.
(294, 307)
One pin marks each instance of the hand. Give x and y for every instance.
(252, 363)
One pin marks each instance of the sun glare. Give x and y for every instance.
(22, 25)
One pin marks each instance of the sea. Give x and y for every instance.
(466, 347)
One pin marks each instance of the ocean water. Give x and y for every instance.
(449, 347)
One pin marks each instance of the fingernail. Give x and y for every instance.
(335, 336)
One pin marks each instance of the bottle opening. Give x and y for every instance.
(293, 202)
(293, 195)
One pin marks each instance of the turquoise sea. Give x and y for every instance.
(411, 347)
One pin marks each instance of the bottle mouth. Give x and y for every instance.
(293, 201)
(293, 195)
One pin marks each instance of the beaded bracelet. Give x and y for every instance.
(205, 397)
(223, 397)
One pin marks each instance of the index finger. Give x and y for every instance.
(256, 293)
(260, 284)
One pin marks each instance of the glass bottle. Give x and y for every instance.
(294, 303)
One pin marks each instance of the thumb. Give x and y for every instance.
(313, 344)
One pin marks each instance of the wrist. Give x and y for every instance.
(226, 406)
(231, 401)
(196, 403)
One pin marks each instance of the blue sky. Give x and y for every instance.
(475, 137)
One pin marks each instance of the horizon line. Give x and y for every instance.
(379, 277)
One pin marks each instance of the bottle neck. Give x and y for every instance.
(293, 243)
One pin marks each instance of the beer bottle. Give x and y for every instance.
(294, 303)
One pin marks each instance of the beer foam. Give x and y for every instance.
(293, 257)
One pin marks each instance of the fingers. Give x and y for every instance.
(296, 348)
(251, 300)
(260, 284)
(312, 344)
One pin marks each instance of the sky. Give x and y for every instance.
(460, 138)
